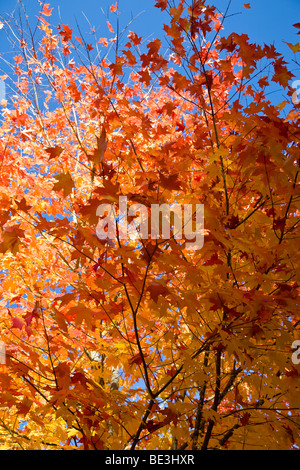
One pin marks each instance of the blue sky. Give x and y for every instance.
(268, 21)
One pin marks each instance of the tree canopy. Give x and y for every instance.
(147, 343)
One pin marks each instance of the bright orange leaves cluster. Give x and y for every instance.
(144, 344)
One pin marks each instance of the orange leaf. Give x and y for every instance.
(79, 40)
(110, 27)
(47, 11)
(81, 313)
(18, 59)
(11, 240)
(113, 8)
(64, 183)
(103, 41)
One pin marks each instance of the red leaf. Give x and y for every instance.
(154, 46)
(213, 260)
(129, 274)
(209, 80)
(279, 224)
(156, 289)
(17, 323)
(171, 372)
(290, 433)
(145, 77)
(282, 75)
(263, 82)
(66, 33)
(22, 205)
(137, 359)
(233, 222)
(162, 4)
(245, 419)
(171, 416)
(54, 151)
(134, 38)
(153, 426)
(100, 261)
(292, 373)
(24, 406)
(170, 182)
(28, 330)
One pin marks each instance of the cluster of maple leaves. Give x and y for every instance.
(200, 340)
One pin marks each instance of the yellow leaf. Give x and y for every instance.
(294, 47)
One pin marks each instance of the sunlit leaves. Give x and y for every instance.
(138, 342)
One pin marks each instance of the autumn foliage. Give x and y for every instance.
(145, 344)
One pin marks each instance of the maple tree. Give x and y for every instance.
(146, 344)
